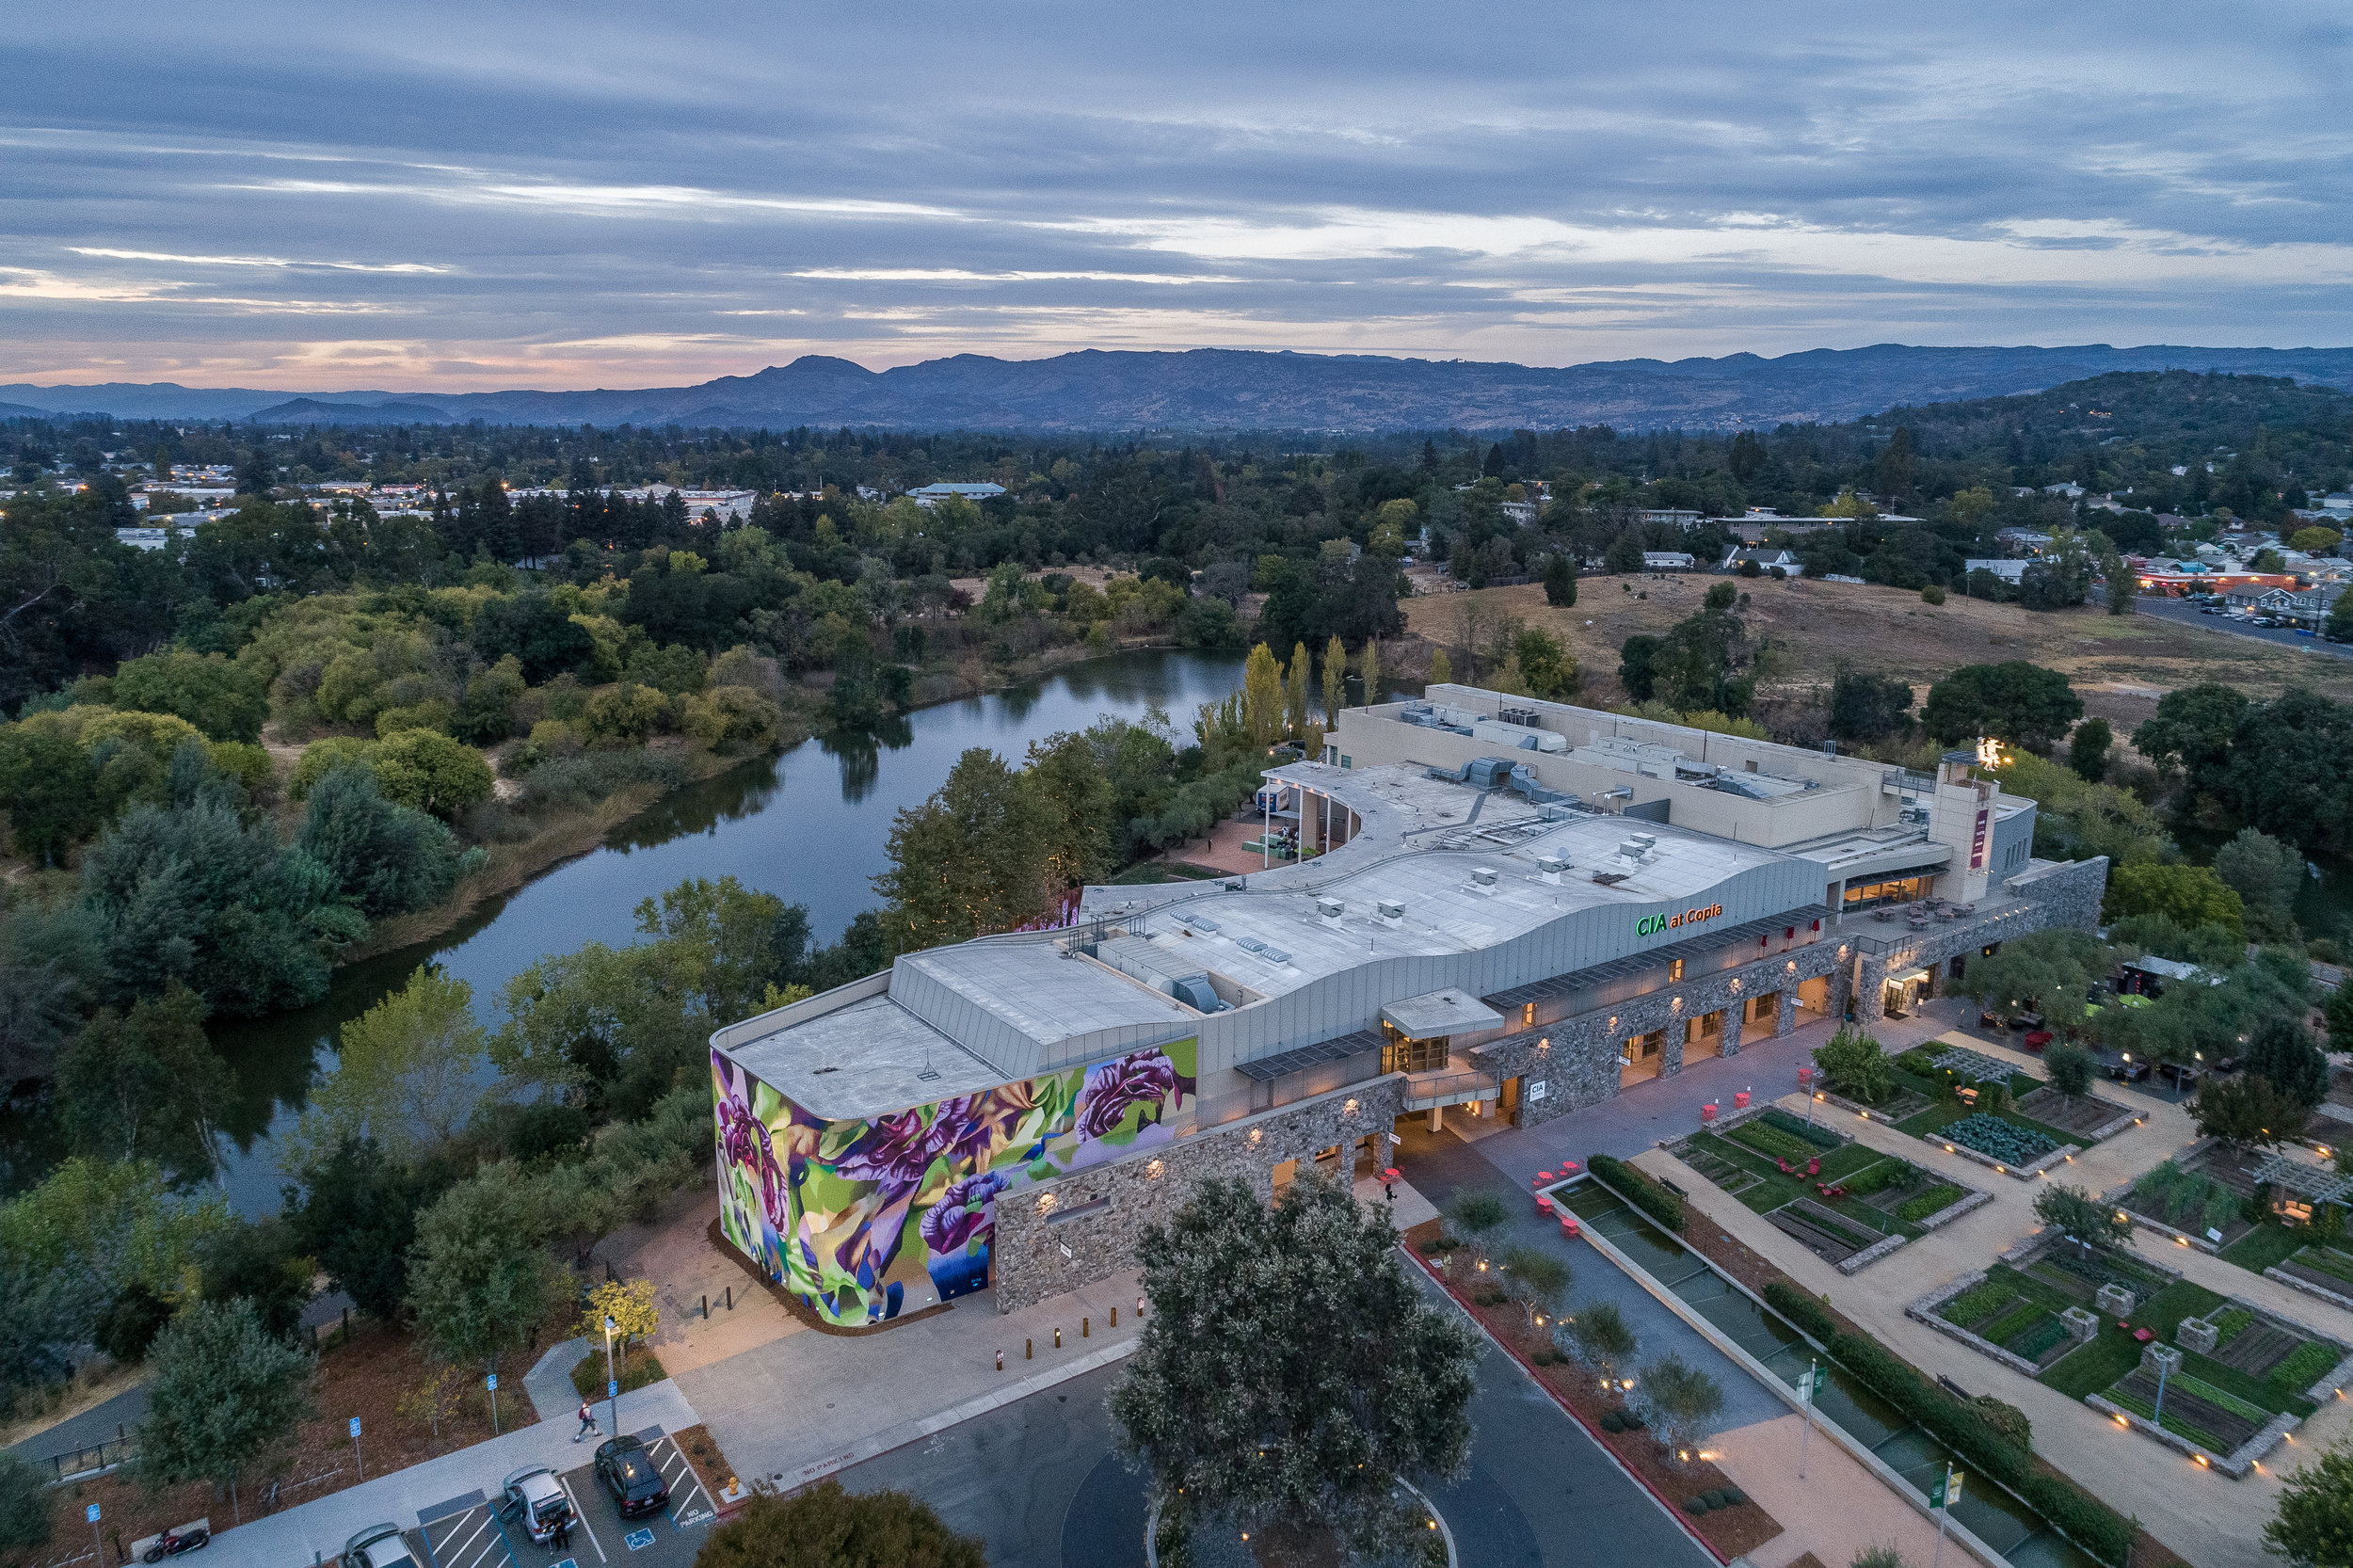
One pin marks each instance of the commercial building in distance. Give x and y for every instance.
(1505, 908)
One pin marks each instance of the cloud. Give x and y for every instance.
(276, 262)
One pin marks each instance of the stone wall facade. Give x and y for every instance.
(1082, 1227)
(2066, 893)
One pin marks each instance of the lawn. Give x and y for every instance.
(2267, 1244)
(1745, 1149)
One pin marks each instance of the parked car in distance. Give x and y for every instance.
(533, 1499)
(2036, 1040)
(631, 1474)
(2211, 609)
(379, 1547)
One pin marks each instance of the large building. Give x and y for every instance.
(1501, 907)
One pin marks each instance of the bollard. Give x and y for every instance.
(706, 1309)
(1741, 1100)
(1001, 1361)
(1058, 1336)
(730, 1298)
(1543, 1202)
(1028, 1350)
(1115, 1317)
(1083, 1328)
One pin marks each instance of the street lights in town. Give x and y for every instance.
(612, 1379)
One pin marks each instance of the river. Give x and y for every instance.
(808, 824)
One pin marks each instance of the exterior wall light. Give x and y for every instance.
(1791, 966)
(1155, 1170)
(1544, 1044)
(1257, 1136)
(1349, 1109)
(1841, 950)
(1046, 1203)
(1736, 986)
(1613, 1021)
(1675, 1006)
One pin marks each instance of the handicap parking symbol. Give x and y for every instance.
(568, 1562)
(638, 1541)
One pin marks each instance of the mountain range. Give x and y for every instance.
(1216, 389)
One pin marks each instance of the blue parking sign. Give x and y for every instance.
(92, 1515)
(493, 1380)
(355, 1426)
(613, 1389)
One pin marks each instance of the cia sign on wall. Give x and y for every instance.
(1650, 925)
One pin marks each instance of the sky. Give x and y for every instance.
(470, 197)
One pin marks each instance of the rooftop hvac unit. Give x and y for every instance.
(1528, 716)
(1330, 908)
(1195, 991)
(1392, 910)
(1250, 944)
(1276, 955)
(1483, 876)
(1551, 866)
(1200, 923)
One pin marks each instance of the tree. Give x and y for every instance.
(2016, 701)
(1537, 1280)
(223, 1393)
(386, 858)
(24, 1504)
(2088, 750)
(1262, 697)
(1440, 668)
(356, 1214)
(1475, 1214)
(49, 790)
(2313, 1525)
(1623, 556)
(1867, 708)
(2338, 628)
(2071, 1067)
(478, 1280)
(540, 634)
(2122, 588)
(1545, 664)
(1855, 1063)
(2043, 971)
(1560, 580)
(2083, 1219)
(2265, 873)
(259, 1263)
(411, 1070)
(1244, 1403)
(971, 859)
(430, 772)
(1696, 667)
(1335, 681)
(1604, 1340)
(2192, 731)
(227, 701)
(1295, 692)
(826, 1527)
(1637, 658)
(1080, 801)
(627, 1304)
(2282, 1053)
(147, 1085)
(2246, 1112)
(2290, 771)
(1680, 1399)
(2190, 896)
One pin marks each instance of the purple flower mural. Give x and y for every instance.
(1141, 1077)
(959, 1231)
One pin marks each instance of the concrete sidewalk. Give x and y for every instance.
(304, 1534)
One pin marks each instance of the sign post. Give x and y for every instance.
(1948, 1493)
(356, 1457)
(1807, 1387)
(492, 1381)
(612, 1379)
(91, 1514)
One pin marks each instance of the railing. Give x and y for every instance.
(1998, 919)
(1423, 1089)
(76, 1463)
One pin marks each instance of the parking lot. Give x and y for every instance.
(467, 1533)
(2193, 614)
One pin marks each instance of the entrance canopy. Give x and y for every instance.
(1437, 1013)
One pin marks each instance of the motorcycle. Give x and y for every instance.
(171, 1543)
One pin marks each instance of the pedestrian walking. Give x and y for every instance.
(588, 1421)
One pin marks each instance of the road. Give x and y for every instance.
(2179, 610)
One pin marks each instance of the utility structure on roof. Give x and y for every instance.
(1504, 907)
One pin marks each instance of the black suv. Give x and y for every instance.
(631, 1474)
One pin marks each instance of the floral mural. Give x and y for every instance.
(863, 1219)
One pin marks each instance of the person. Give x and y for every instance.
(588, 1421)
(563, 1535)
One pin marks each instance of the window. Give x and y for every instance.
(1345, 761)
(1403, 1054)
(1674, 970)
(1908, 890)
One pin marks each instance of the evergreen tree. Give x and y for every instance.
(1262, 697)
(1295, 692)
(1560, 580)
(971, 859)
(225, 1393)
(147, 1085)
(1335, 679)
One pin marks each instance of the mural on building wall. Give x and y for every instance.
(862, 1218)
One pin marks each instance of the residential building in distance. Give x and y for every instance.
(1667, 560)
(1503, 907)
(932, 495)
(2009, 572)
(1766, 557)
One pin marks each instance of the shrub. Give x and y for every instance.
(1695, 1505)
(1821, 1137)
(1772, 1141)
(1809, 1315)
(1931, 595)
(1857, 1065)
(2071, 1067)
(564, 782)
(430, 772)
(732, 716)
(321, 758)
(626, 715)
(1639, 1190)
(2003, 1141)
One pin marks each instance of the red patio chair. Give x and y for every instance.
(1813, 1168)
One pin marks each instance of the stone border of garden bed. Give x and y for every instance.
(1973, 1198)
(2234, 1464)
(1856, 1262)
(2124, 1123)
(2114, 1198)
(2041, 1241)
(1923, 1310)
(1755, 1111)
(2316, 1291)
(2339, 1375)
(2017, 1172)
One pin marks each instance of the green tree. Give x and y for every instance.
(971, 858)
(1537, 1280)
(1295, 692)
(2313, 1525)
(2246, 1112)
(2123, 590)
(2017, 701)
(2192, 731)
(1544, 664)
(1856, 1063)
(410, 1072)
(2190, 896)
(2338, 628)
(1697, 668)
(26, 1508)
(1604, 1340)
(1475, 1215)
(385, 859)
(147, 1085)
(1077, 799)
(479, 1280)
(1638, 667)
(1262, 697)
(2071, 1067)
(1243, 1404)
(2043, 971)
(225, 700)
(2088, 750)
(1867, 708)
(260, 1263)
(1560, 580)
(1623, 556)
(49, 789)
(1335, 681)
(2290, 770)
(715, 943)
(356, 1212)
(2282, 1053)
(1680, 1399)
(2265, 873)
(1440, 668)
(2083, 1219)
(430, 772)
(825, 1527)
(223, 1395)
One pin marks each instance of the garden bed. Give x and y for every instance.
(1858, 1201)
(2186, 1197)
(2086, 1118)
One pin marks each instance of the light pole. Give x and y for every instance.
(612, 1379)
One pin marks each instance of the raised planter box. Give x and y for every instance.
(1924, 1310)
(1971, 1198)
(1870, 1254)
(2016, 1172)
(2318, 1292)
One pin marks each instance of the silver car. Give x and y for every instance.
(379, 1547)
(533, 1499)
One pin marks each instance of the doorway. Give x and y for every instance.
(1813, 997)
(1507, 1101)
(1902, 994)
(1760, 1017)
(1645, 1055)
(1703, 1036)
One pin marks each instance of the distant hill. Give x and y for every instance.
(19, 411)
(1212, 389)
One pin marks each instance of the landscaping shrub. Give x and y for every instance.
(2003, 1141)
(1772, 1141)
(1820, 1137)
(572, 782)
(1809, 1315)
(1695, 1505)
(1856, 1065)
(1639, 1190)
(1734, 1497)
(1935, 1200)
(1713, 1498)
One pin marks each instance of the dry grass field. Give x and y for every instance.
(2121, 664)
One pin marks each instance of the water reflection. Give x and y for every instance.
(784, 825)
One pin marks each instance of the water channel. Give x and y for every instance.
(808, 824)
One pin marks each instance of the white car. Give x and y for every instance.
(533, 1499)
(379, 1547)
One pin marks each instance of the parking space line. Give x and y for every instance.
(582, 1514)
(681, 1511)
(468, 1561)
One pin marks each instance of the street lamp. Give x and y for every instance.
(612, 1379)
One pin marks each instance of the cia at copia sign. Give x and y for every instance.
(1650, 925)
